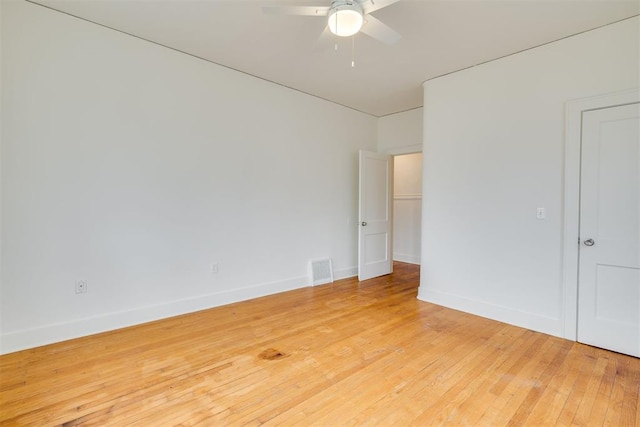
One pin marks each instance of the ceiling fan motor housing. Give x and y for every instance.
(345, 17)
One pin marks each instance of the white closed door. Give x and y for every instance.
(609, 272)
(375, 213)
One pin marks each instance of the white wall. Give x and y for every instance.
(401, 133)
(135, 167)
(493, 153)
(1, 139)
(407, 207)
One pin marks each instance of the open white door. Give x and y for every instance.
(375, 207)
(609, 273)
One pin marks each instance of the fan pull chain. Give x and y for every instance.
(353, 49)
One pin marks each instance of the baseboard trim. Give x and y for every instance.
(25, 339)
(535, 322)
(411, 259)
(345, 273)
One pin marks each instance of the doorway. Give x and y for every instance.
(382, 192)
(407, 207)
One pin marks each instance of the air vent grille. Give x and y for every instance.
(321, 271)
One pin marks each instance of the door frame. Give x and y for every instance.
(571, 249)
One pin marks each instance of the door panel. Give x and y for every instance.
(609, 272)
(374, 235)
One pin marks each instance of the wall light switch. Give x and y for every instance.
(540, 213)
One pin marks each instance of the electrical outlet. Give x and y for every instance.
(214, 268)
(81, 286)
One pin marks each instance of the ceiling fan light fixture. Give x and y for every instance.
(345, 19)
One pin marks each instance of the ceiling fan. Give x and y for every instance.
(346, 18)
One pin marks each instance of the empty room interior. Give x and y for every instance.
(316, 212)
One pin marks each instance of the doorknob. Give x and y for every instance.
(364, 223)
(589, 242)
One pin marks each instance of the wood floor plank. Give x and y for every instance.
(456, 388)
(400, 397)
(629, 413)
(601, 401)
(511, 388)
(614, 411)
(347, 353)
(331, 397)
(582, 416)
(477, 404)
(550, 405)
(545, 370)
(578, 389)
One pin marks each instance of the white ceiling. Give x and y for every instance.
(438, 37)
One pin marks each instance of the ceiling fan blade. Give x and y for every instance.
(296, 10)
(372, 5)
(379, 31)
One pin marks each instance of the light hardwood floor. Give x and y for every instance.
(347, 353)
